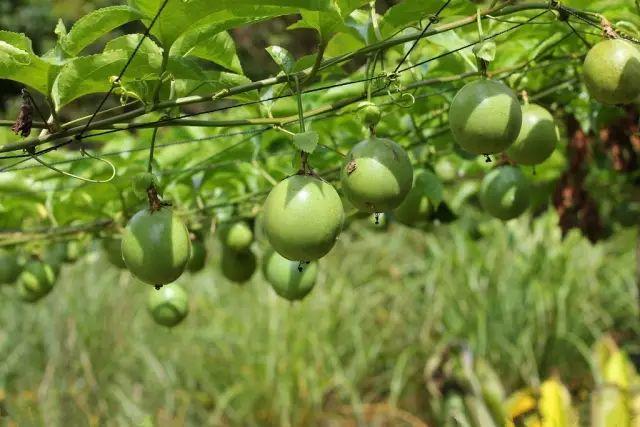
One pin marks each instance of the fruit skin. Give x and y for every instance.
(416, 207)
(504, 192)
(156, 246)
(36, 281)
(237, 236)
(303, 217)
(112, 247)
(238, 267)
(612, 72)
(285, 277)
(377, 175)
(198, 256)
(485, 117)
(538, 136)
(9, 267)
(169, 305)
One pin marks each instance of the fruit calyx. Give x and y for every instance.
(155, 204)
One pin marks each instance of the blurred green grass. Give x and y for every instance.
(521, 297)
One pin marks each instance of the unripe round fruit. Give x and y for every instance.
(504, 192)
(156, 246)
(237, 236)
(485, 117)
(370, 113)
(416, 207)
(112, 247)
(285, 276)
(612, 72)
(538, 136)
(198, 256)
(142, 182)
(238, 267)
(169, 305)
(303, 217)
(36, 281)
(9, 267)
(377, 175)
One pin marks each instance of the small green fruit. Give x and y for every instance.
(169, 305)
(285, 276)
(538, 137)
(237, 236)
(504, 192)
(376, 175)
(36, 281)
(370, 113)
(9, 267)
(198, 256)
(112, 247)
(303, 217)
(238, 267)
(416, 207)
(612, 72)
(142, 182)
(156, 246)
(485, 117)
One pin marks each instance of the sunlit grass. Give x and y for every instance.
(521, 297)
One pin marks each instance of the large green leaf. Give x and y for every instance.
(213, 82)
(208, 42)
(95, 73)
(19, 63)
(95, 25)
(179, 16)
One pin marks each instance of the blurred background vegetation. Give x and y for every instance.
(467, 324)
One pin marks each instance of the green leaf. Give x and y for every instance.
(307, 141)
(210, 44)
(91, 27)
(326, 23)
(20, 64)
(283, 58)
(431, 186)
(485, 51)
(181, 16)
(94, 74)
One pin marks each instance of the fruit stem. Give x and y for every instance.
(155, 204)
(525, 97)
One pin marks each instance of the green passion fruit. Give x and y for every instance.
(612, 72)
(156, 246)
(538, 136)
(504, 192)
(237, 236)
(416, 207)
(238, 267)
(9, 267)
(112, 247)
(169, 305)
(291, 280)
(303, 217)
(198, 256)
(485, 117)
(377, 175)
(36, 281)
